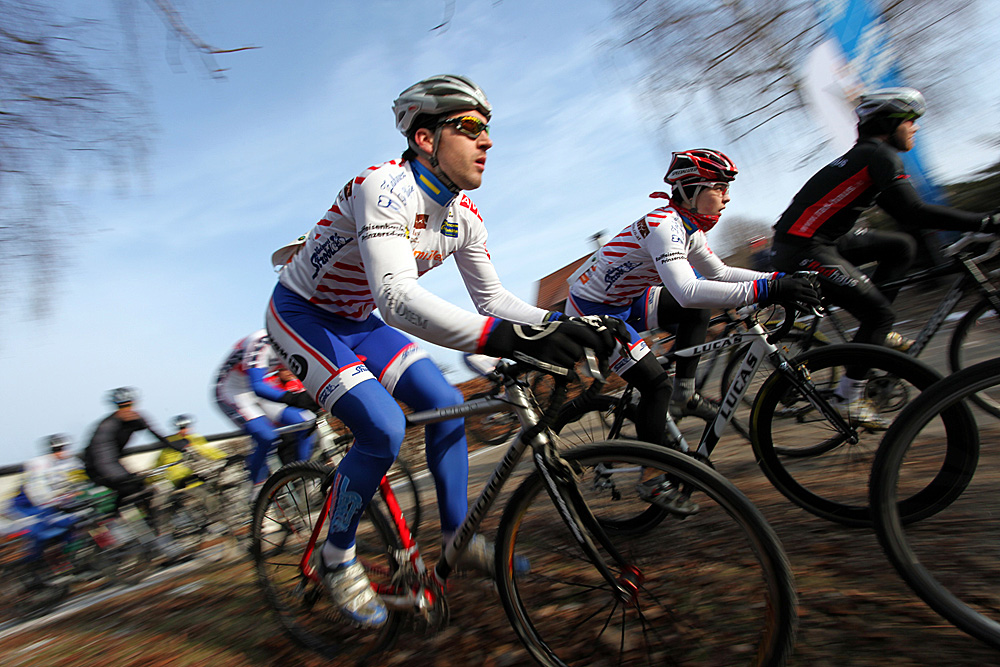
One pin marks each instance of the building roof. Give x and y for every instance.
(553, 290)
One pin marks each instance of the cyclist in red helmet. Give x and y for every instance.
(816, 232)
(646, 276)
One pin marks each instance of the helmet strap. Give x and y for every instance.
(432, 159)
(689, 201)
(691, 216)
(438, 171)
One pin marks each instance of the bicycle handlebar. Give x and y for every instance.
(992, 250)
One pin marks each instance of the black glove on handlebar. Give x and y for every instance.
(554, 347)
(991, 223)
(797, 290)
(299, 399)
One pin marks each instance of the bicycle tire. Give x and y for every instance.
(974, 340)
(795, 343)
(953, 583)
(833, 483)
(284, 515)
(22, 599)
(126, 564)
(690, 606)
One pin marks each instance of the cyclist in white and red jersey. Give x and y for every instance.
(392, 223)
(646, 276)
(256, 406)
(816, 232)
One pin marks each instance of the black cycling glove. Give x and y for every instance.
(299, 399)
(795, 290)
(991, 223)
(555, 347)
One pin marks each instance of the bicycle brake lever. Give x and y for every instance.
(593, 366)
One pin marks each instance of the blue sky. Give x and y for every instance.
(166, 278)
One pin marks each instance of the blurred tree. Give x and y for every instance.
(741, 59)
(732, 239)
(71, 95)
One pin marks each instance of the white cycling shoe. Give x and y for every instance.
(351, 592)
(860, 412)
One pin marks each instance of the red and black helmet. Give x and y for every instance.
(700, 165)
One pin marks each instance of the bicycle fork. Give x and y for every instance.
(799, 377)
(561, 483)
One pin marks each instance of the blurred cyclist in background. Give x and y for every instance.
(185, 443)
(389, 225)
(646, 276)
(816, 232)
(102, 456)
(50, 483)
(256, 407)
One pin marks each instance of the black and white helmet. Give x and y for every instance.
(123, 395)
(881, 111)
(435, 96)
(58, 442)
(182, 422)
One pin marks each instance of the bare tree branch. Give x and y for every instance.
(68, 97)
(747, 55)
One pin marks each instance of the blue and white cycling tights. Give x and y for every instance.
(355, 370)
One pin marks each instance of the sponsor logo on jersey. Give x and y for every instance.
(325, 251)
(642, 228)
(449, 227)
(465, 202)
(421, 221)
(612, 276)
(428, 255)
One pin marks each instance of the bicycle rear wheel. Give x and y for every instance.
(832, 482)
(589, 419)
(975, 340)
(714, 588)
(958, 583)
(284, 516)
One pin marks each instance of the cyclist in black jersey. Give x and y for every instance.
(101, 458)
(816, 232)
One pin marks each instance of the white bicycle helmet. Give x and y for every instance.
(435, 96)
(58, 442)
(123, 395)
(901, 103)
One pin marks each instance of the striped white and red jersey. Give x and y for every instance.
(663, 248)
(389, 226)
(254, 351)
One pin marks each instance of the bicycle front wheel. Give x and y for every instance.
(831, 481)
(975, 340)
(713, 588)
(949, 559)
(284, 516)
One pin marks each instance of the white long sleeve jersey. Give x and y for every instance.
(389, 226)
(663, 248)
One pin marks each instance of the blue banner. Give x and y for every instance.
(868, 49)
